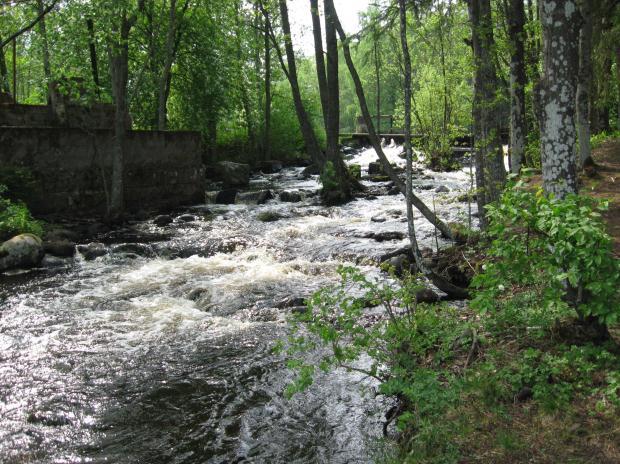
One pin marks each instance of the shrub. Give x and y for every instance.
(557, 250)
(15, 218)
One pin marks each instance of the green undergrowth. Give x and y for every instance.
(521, 374)
(15, 218)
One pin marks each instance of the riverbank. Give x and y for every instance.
(521, 380)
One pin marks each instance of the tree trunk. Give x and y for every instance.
(583, 84)
(4, 73)
(618, 83)
(47, 70)
(439, 281)
(319, 58)
(332, 128)
(516, 19)
(604, 89)
(490, 171)
(245, 96)
(119, 68)
(93, 52)
(267, 131)
(162, 94)
(560, 27)
(374, 139)
(378, 81)
(312, 144)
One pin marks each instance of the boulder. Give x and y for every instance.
(231, 174)
(257, 197)
(426, 295)
(270, 167)
(59, 248)
(290, 197)
(61, 235)
(92, 250)
(386, 236)
(226, 197)
(378, 219)
(375, 168)
(138, 249)
(162, 220)
(22, 251)
(442, 189)
(312, 170)
(186, 218)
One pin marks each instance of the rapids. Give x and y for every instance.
(164, 356)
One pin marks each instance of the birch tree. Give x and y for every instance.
(560, 27)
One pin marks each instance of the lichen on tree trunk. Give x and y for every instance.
(560, 26)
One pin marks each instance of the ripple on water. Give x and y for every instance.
(166, 357)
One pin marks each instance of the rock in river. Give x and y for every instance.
(231, 174)
(92, 250)
(257, 197)
(290, 197)
(162, 220)
(22, 251)
(59, 248)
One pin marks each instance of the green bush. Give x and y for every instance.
(15, 218)
(557, 250)
(406, 350)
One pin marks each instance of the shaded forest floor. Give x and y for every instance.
(540, 387)
(604, 182)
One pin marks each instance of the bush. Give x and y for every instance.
(15, 218)
(555, 250)
(407, 349)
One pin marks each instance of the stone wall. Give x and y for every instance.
(162, 169)
(97, 116)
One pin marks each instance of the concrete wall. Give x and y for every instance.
(162, 169)
(98, 116)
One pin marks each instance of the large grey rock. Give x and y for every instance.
(270, 167)
(290, 197)
(312, 170)
(59, 248)
(226, 197)
(231, 174)
(375, 168)
(257, 197)
(92, 250)
(162, 220)
(22, 251)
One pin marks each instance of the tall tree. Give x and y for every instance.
(515, 13)
(170, 49)
(584, 82)
(490, 171)
(243, 80)
(47, 69)
(118, 49)
(319, 56)
(290, 70)
(560, 26)
(374, 137)
(332, 127)
(440, 282)
(267, 109)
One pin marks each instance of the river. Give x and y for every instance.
(161, 352)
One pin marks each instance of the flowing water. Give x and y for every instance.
(160, 352)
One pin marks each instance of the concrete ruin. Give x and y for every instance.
(69, 151)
